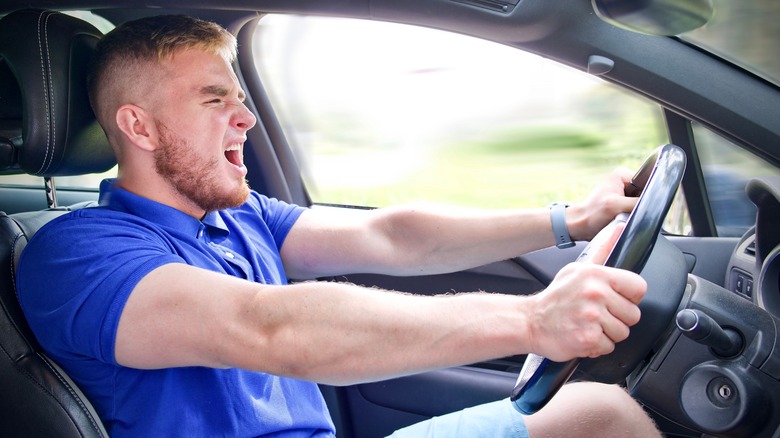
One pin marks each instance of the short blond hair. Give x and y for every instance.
(124, 51)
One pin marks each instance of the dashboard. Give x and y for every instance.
(721, 374)
(754, 267)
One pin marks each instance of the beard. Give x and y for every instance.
(193, 177)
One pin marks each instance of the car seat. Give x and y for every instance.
(47, 128)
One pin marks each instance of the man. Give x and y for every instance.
(173, 311)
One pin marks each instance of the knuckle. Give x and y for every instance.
(594, 294)
(590, 339)
(586, 316)
(590, 315)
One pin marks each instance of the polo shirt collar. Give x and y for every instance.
(117, 198)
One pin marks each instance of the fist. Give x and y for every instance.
(585, 311)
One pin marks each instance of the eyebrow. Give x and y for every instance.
(220, 91)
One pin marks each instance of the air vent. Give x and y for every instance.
(751, 249)
(493, 5)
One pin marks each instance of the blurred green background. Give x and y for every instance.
(409, 114)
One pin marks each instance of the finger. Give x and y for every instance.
(624, 174)
(619, 179)
(615, 329)
(623, 204)
(629, 285)
(626, 311)
(605, 346)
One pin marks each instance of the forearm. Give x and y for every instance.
(410, 240)
(450, 239)
(336, 333)
(424, 239)
(341, 334)
(454, 239)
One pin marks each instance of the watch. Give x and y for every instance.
(560, 230)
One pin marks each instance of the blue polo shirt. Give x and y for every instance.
(74, 279)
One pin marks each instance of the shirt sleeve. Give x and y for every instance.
(73, 302)
(277, 215)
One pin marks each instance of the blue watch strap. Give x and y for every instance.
(561, 231)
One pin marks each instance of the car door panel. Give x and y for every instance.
(508, 277)
(378, 408)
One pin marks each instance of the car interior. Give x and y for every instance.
(719, 380)
(60, 136)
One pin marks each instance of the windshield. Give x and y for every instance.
(745, 32)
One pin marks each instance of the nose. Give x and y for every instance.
(244, 119)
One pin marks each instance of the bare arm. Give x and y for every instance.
(409, 240)
(337, 333)
(426, 239)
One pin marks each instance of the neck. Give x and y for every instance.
(157, 189)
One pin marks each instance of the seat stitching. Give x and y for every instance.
(71, 391)
(48, 393)
(13, 283)
(17, 237)
(52, 94)
(43, 358)
(13, 265)
(43, 48)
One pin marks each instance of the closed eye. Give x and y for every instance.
(219, 93)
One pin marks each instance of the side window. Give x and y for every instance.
(727, 169)
(382, 113)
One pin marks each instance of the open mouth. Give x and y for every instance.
(234, 156)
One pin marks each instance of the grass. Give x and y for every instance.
(520, 168)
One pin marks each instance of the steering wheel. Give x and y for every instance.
(656, 183)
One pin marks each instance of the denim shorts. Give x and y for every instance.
(491, 420)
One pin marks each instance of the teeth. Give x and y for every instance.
(234, 147)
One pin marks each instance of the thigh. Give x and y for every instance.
(591, 409)
(492, 420)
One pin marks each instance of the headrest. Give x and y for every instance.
(47, 126)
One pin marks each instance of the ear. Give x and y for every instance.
(137, 126)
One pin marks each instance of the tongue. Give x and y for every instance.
(234, 158)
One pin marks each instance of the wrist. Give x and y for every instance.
(576, 222)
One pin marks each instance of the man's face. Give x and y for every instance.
(194, 176)
(202, 122)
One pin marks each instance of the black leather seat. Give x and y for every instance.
(53, 133)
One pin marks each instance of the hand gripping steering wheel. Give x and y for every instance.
(657, 181)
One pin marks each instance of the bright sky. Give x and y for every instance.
(391, 64)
